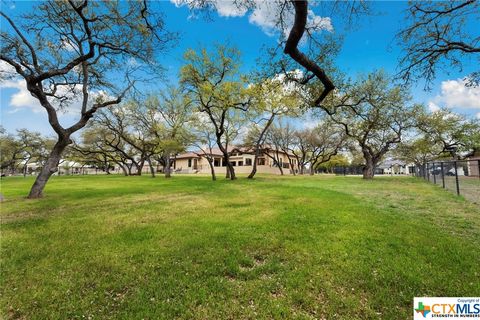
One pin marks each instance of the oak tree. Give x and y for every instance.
(374, 113)
(70, 52)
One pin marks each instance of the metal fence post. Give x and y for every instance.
(456, 177)
(443, 176)
(434, 176)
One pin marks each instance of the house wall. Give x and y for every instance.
(473, 166)
(396, 169)
(181, 165)
(203, 166)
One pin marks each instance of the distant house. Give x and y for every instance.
(64, 168)
(241, 158)
(393, 167)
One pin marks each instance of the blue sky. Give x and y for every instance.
(369, 46)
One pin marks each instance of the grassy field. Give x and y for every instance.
(100, 247)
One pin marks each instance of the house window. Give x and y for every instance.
(240, 163)
(234, 163)
(216, 162)
(189, 163)
(261, 161)
(248, 162)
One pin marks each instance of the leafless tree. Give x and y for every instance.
(439, 35)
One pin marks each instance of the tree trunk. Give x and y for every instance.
(257, 146)
(279, 165)
(49, 168)
(230, 170)
(152, 170)
(254, 168)
(107, 165)
(167, 170)
(230, 174)
(124, 169)
(312, 170)
(140, 167)
(212, 169)
(369, 169)
(227, 172)
(129, 167)
(25, 168)
(292, 167)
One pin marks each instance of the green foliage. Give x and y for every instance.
(10, 150)
(419, 150)
(212, 78)
(338, 160)
(453, 132)
(374, 113)
(22, 148)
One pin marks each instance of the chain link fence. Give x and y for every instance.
(461, 176)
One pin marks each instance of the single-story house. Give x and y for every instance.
(392, 167)
(240, 157)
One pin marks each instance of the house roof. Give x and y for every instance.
(390, 163)
(187, 155)
(218, 152)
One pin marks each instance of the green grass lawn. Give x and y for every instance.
(328, 247)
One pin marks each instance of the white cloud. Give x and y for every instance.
(433, 107)
(455, 94)
(6, 70)
(133, 62)
(264, 14)
(229, 9)
(22, 98)
(224, 8)
(319, 23)
(178, 3)
(68, 45)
